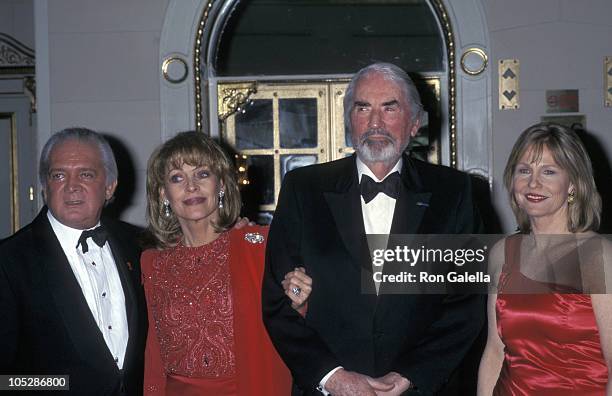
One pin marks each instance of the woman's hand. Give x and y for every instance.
(297, 286)
(243, 222)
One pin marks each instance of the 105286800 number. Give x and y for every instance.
(34, 382)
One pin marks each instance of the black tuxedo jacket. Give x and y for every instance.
(46, 326)
(318, 224)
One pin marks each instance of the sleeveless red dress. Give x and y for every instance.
(552, 343)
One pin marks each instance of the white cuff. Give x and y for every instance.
(321, 387)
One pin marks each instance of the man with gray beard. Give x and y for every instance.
(352, 342)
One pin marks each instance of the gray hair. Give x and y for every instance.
(83, 135)
(389, 72)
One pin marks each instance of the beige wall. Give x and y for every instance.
(16, 19)
(561, 44)
(103, 74)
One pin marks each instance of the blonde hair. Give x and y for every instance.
(195, 149)
(584, 214)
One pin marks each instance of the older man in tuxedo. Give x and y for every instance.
(351, 342)
(71, 301)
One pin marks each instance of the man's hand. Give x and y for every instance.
(349, 383)
(400, 384)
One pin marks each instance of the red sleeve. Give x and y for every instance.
(154, 374)
(259, 369)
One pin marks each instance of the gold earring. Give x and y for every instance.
(571, 198)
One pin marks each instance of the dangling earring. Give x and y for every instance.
(221, 196)
(571, 198)
(166, 205)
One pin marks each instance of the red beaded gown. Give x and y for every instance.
(552, 344)
(206, 335)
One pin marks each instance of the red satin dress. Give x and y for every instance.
(552, 343)
(206, 335)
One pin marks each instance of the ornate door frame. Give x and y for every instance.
(189, 23)
(18, 114)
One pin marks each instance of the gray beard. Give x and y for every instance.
(376, 152)
(386, 151)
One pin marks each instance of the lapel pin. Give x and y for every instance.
(129, 265)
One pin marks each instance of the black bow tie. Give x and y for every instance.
(98, 235)
(370, 189)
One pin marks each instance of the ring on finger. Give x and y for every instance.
(296, 290)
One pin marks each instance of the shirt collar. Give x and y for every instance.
(67, 236)
(362, 169)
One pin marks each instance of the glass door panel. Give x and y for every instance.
(254, 129)
(340, 140)
(280, 128)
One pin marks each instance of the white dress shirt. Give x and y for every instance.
(378, 213)
(97, 275)
(377, 219)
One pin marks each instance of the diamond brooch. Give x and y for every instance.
(253, 237)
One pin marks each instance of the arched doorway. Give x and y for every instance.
(269, 77)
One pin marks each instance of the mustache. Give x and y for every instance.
(376, 132)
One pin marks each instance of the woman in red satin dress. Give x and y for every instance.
(203, 280)
(548, 332)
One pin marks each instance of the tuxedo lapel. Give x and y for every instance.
(409, 210)
(410, 207)
(344, 201)
(412, 202)
(69, 299)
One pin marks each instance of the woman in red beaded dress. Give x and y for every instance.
(550, 323)
(202, 280)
